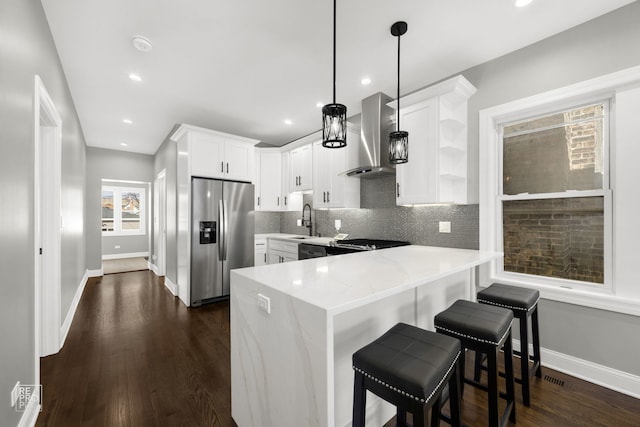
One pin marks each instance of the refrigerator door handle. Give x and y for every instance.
(226, 229)
(221, 231)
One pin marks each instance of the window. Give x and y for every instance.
(123, 210)
(554, 197)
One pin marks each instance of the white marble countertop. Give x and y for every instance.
(343, 282)
(297, 238)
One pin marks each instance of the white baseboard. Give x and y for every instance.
(604, 376)
(95, 273)
(30, 414)
(66, 325)
(173, 288)
(129, 255)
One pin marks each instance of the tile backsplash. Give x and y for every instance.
(380, 218)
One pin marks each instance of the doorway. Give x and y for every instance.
(160, 223)
(48, 224)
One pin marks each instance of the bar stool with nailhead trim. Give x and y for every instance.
(408, 367)
(524, 304)
(485, 329)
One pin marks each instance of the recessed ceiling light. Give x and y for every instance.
(127, 121)
(135, 77)
(124, 144)
(288, 122)
(141, 43)
(365, 81)
(522, 3)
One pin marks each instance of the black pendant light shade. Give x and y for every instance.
(398, 140)
(334, 116)
(334, 128)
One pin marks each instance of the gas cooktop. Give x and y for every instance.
(368, 244)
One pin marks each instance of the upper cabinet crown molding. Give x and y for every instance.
(456, 89)
(184, 129)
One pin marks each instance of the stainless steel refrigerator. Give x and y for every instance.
(222, 233)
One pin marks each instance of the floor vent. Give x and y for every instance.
(554, 380)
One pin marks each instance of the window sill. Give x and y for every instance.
(602, 300)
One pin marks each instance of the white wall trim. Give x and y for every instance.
(64, 329)
(153, 268)
(30, 414)
(95, 273)
(173, 288)
(129, 255)
(613, 379)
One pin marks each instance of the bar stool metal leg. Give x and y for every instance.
(359, 400)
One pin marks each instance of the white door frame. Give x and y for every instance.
(160, 222)
(47, 224)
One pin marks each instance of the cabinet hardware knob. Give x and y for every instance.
(324, 197)
(227, 167)
(397, 189)
(222, 167)
(328, 199)
(278, 202)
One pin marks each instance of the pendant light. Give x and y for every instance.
(398, 140)
(334, 116)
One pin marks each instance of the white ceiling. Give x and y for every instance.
(244, 66)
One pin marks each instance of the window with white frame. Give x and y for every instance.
(123, 210)
(554, 203)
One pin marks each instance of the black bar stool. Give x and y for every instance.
(524, 304)
(408, 367)
(485, 329)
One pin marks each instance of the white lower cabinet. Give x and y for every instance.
(279, 251)
(260, 252)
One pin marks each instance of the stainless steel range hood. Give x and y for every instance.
(373, 148)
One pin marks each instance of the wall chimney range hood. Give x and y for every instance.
(373, 147)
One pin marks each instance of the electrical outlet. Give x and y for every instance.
(338, 224)
(14, 394)
(444, 226)
(264, 303)
(299, 222)
(117, 246)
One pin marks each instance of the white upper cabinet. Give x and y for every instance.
(436, 119)
(331, 188)
(272, 185)
(270, 181)
(300, 176)
(215, 154)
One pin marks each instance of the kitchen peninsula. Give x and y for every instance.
(294, 327)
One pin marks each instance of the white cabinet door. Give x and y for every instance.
(331, 188)
(260, 252)
(206, 155)
(216, 157)
(300, 178)
(270, 181)
(290, 201)
(416, 180)
(238, 161)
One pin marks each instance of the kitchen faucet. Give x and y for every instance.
(307, 223)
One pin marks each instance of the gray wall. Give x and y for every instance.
(167, 158)
(115, 165)
(27, 49)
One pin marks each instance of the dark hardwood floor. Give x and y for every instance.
(135, 356)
